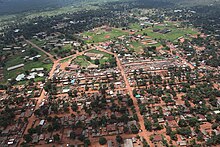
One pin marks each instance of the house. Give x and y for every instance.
(15, 67)
(201, 117)
(78, 131)
(182, 143)
(20, 77)
(42, 122)
(65, 90)
(169, 118)
(37, 69)
(157, 138)
(111, 128)
(11, 141)
(109, 143)
(128, 143)
(35, 138)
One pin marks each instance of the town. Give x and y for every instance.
(150, 82)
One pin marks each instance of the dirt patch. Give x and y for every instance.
(107, 36)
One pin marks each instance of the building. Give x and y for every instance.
(20, 77)
(128, 143)
(15, 67)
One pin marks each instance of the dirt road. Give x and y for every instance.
(37, 47)
(145, 134)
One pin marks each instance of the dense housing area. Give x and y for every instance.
(124, 75)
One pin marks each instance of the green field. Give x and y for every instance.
(81, 61)
(18, 59)
(101, 35)
(38, 42)
(173, 35)
(62, 51)
(104, 59)
(136, 46)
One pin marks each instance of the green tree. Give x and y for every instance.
(102, 140)
(56, 137)
(87, 142)
(28, 138)
(182, 123)
(97, 62)
(119, 139)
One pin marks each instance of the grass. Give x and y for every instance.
(38, 42)
(101, 35)
(135, 26)
(64, 49)
(136, 46)
(172, 36)
(81, 61)
(104, 59)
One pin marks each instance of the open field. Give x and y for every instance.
(38, 42)
(84, 62)
(81, 61)
(106, 57)
(101, 35)
(173, 35)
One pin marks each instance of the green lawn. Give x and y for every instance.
(101, 35)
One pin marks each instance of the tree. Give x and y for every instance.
(74, 106)
(168, 130)
(125, 129)
(186, 131)
(119, 139)
(148, 125)
(87, 142)
(200, 136)
(192, 121)
(97, 62)
(102, 140)
(215, 126)
(28, 138)
(145, 144)
(72, 135)
(56, 137)
(182, 123)
(130, 102)
(134, 129)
